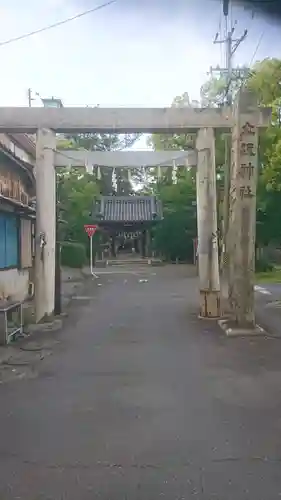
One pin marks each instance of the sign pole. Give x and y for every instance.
(91, 256)
(90, 230)
(91, 253)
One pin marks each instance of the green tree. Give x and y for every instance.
(173, 237)
(212, 92)
(173, 141)
(76, 194)
(265, 80)
(77, 190)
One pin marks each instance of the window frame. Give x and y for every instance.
(21, 265)
(17, 220)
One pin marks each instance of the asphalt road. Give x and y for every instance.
(141, 400)
(271, 290)
(268, 307)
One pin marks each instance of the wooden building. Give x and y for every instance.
(128, 217)
(17, 216)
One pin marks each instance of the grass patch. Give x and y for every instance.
(273, 276)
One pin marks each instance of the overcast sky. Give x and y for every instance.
(135, 52)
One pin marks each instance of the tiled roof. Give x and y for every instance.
(127, 209)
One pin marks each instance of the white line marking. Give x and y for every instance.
(133, 273)
(262, 290)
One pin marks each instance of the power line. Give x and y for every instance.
(257, 48)
(230, 74)
(57, 24)
(231, 45)
(250, 73)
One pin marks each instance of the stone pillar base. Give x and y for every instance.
(210, 304)
(232, 329)
(101, 263)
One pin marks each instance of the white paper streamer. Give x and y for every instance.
(174, 173)
(89, 168)
(114, 179)
(98, 173)
(158, 173)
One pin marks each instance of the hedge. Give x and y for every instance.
(263, 265)
(73, 254)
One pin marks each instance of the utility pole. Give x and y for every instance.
(231, 45)
(29, 95)
(231, 74)
(30, 98)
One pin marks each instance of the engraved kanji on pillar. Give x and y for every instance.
(244, 175)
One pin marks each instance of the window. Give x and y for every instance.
(26, 243)
(9, 241)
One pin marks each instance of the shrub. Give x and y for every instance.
(73, 254)
(263, 265)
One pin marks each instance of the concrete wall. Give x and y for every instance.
(14, 284)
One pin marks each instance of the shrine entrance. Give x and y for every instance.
(242, 121)
(127, 223)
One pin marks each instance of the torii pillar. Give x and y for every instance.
(208, 262)
(242, 214)
(45, 224)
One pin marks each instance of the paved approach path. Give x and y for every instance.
(140, 400)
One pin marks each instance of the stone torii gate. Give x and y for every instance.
(245, 119)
